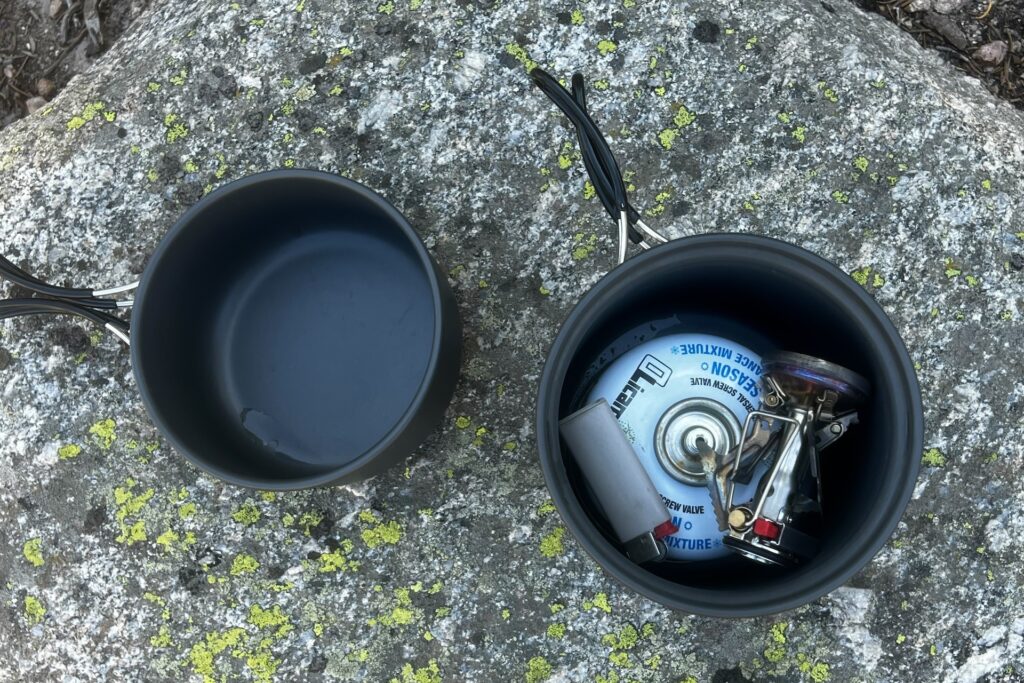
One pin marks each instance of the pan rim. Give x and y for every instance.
(388, 439)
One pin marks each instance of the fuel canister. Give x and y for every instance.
(674, 396)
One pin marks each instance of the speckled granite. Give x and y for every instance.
(806, 121)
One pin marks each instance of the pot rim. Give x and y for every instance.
(896, 363)
(345, 186)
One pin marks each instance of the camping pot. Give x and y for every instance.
(743, 292)
(290, 330)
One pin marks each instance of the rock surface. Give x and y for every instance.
(122, 562)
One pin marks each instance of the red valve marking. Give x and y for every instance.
(666, 528)
(766, 528)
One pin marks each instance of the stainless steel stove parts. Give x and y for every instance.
(803, 394)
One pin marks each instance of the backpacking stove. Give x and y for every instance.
(804, 401)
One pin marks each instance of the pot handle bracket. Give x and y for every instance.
(599, 161)
(90, 304)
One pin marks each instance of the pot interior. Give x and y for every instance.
(285, 328)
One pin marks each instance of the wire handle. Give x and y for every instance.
(599, 162)
(85, 303)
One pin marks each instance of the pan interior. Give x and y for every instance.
(287, 331)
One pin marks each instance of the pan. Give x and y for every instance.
(289, 331)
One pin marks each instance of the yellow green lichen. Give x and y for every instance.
(840, 197)
(819, 673)
(933, 457)
(667, 137)
(538, 670)
(551, 544)
(625, 639)
(179, 78)
(389, 533)
(248, 514)
(201, 655)
(270, 619)
(861, 163)
(104, 433)
(784, 117)
(986, 184)
(32, 550)
(576, 17)
(600, 602)
(386, 7)
(88, 113)
(34, 610)
(129, 505)
(263, 666)
(162, 638)
(952, 270)
(133, 533)
(187, 511)
(462, 422)
(800, 133)
(583, 245)
(337, 560)
(556, 631)
(606, 47)
(684, 117)
(860, 276)
(153, 86)
(520, 54)
(244, 564)
(403, 613)
(167, 539)
(589, 191)
(309, 520)
(430, 673)
(776, 649)
(176, 130)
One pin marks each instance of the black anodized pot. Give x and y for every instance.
(769, 295)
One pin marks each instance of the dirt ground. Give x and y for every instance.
(43, 43)
(985, 38)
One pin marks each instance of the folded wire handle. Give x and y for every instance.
(599, 161)
(53, 300)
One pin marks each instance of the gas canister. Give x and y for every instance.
(675, 397)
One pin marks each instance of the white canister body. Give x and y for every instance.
(645, 383)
